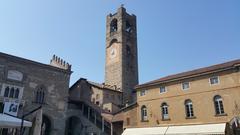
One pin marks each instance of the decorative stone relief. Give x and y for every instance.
(15, 75)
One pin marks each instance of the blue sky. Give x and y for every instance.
(173, 35)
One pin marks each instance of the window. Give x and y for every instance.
(164, 111)
(189, 109)
(162, 89)
(1, 107)
(185, 85)
(40, 95)
(128, 27)
(142, 92)
(113, 26)
(214, 80)
(11, 92)
(218, 103)
(6, 92)
(16, 94)
(144, 113)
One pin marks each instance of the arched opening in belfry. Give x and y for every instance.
(73, 126)
(113, 25)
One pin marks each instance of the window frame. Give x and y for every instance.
(218, 105)
(185, 83)
(165, 111)
(218, 80)
(142, 93)
(144, 113)
(189, 112)
(14, 92)
(162, 87)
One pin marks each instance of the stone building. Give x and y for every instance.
(204, 99)
(31, 84)
(93, 105)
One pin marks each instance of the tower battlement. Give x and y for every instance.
(60, 63)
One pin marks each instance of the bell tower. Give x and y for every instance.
(121, 68)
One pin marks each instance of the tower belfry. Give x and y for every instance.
(121, 68)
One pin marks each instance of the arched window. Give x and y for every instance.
(16, 94)
(218, 103)
(6, 92)
(128, 27)
(144, 113)
(165, 111)
(189, 109)
(40, 95)
(11, 93)
(113, 25)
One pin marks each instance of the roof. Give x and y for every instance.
(23, 60)
(98, 85)
(193, 73)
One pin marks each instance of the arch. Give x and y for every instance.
(16, 94)
(73, 126)
(6, 92)
(114, 25)
(189, 108)
(46, 126)
(128, 27)
(11, 93)
(218, 104)
(164, 107)
(40, 94)
(113, 41)
(144, 116)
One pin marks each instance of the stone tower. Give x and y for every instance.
(121, 67)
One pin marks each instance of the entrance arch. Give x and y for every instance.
(73, 126)
(46, 125)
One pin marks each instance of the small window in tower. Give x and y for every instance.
(128, 27)
(113, 26)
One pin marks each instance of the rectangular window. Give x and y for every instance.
(185, 85)
(142, 92)
(162, 89)
(214, 80)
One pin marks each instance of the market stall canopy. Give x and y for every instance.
(206, 129)
(7, 121)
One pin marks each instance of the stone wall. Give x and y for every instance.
(53, 81)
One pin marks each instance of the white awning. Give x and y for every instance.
(145, 131)
(216, 129)
(7, 121)
(206, 129)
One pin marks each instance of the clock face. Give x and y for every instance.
(113, 53)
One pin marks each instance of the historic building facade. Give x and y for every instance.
(95, 104)
(199, 97)
(29, 84)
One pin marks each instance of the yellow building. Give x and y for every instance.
(203, 100)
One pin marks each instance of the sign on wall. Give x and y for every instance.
(15, 75)
(11, 107)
